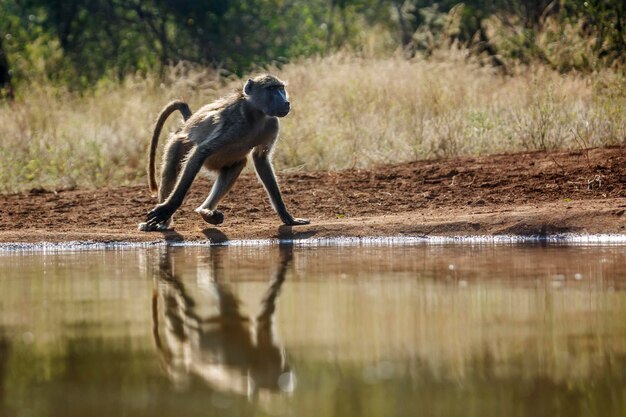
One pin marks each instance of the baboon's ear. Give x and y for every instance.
(247, 89)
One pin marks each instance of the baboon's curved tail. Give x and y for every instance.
(171, 107)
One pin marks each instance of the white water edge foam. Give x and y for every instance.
(560, 239)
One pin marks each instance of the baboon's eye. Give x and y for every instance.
(282, 93)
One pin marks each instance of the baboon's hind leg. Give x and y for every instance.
(173, 156)
(224, 182)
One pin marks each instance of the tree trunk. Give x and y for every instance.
(404, 28)
(6, 88)
(330, 26)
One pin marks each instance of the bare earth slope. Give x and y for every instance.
(534, 193)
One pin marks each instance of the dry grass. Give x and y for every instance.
(348, 112)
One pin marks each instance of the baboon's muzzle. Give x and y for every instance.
(284, 111)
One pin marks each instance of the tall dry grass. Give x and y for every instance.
(348, 111)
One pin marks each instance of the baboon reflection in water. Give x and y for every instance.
(210, 339)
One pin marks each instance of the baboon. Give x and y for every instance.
(200, 330)
(219, 137)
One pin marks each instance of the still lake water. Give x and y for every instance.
(422, 330)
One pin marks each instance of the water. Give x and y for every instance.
(434, 330)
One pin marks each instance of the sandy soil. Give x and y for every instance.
(534, 193)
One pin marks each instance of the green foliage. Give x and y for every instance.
(605, 22)
(79, 42)
(566, 35)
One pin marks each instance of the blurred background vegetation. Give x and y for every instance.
(372, 81)
(81, 42)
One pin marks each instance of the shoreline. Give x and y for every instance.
(578, 223)
(540, 194)
(389, 241)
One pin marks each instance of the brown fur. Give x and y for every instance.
(220, 136)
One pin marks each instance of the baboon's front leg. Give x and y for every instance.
(222, 185)
(164, 211)
(265, 172)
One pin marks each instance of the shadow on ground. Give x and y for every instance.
(215, 235)
(172, 235)
(288, 233)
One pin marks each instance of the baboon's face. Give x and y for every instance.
(267, 93)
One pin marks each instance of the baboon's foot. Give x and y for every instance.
(211, 216)
(297, 222)
(159, 227)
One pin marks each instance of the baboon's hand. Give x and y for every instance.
(159, 214)
(296, 222)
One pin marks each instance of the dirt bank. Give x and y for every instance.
(527, 194)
